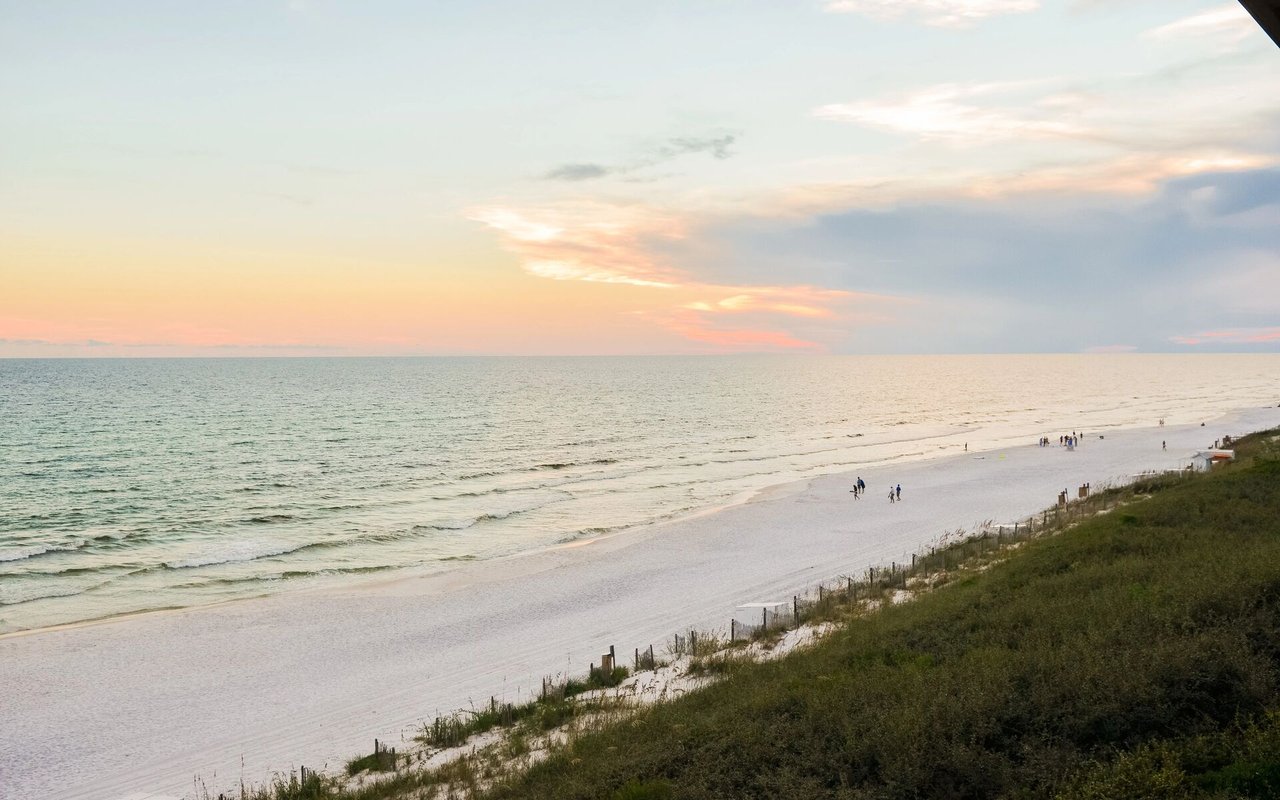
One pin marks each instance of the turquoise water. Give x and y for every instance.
(137, 484)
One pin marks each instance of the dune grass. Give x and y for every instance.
(1137, 655)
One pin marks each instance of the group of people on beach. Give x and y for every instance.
(1072, 440)
(859, 487)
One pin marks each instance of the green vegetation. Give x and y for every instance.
(547, 712)
(382, 759)
(1135, 655)
(597, 678)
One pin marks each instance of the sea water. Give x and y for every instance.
(128, 485)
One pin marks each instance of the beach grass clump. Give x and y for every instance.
(455, 729)
(382, 759)
(597, 678)
(1134, 655)
(725, 662)
(302, 785)
(545, 713)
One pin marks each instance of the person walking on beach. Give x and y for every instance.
(899, 491)
(891, 496)
(1164, 445)
(862, 487)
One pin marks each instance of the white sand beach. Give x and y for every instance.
(146, 703)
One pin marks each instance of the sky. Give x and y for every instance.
(386, 177)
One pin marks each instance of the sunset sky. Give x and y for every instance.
(332, 177)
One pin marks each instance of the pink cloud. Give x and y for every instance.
(1111, 348)
(1232, 336)
(608, 244)
(695, 327)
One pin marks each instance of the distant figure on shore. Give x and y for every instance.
(1164, 445)
(862, 487)
(891, 499)
(898, 491)
(966, 447)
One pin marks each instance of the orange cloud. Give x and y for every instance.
(692, 326)
(585, 242)
(599, 243)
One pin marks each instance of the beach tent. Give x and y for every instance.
(1204, 460)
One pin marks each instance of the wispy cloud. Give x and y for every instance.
(585, 242)
(1231, 336)
(1220, 103)
(952, 112)
(578, 172)
(717, 146)
(1229, 23)
(938, 13)
(697, 328)
(622, 245)
(1124, 175)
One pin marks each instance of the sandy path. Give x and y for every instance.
(146, 703)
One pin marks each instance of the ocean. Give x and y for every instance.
(135, 484)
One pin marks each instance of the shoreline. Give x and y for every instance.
(309, 676)
(325, 584)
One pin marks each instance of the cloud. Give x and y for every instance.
(697, 328)
(1111, 348)
(1229, 23)
(1031, 271)
(26, 347)
(577, 172)
(716, 146)
(947, 112)
(937, 13)
(585, 242)
(631, 246)
(1224, 102)
(1130, 174)
(1232, 336)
